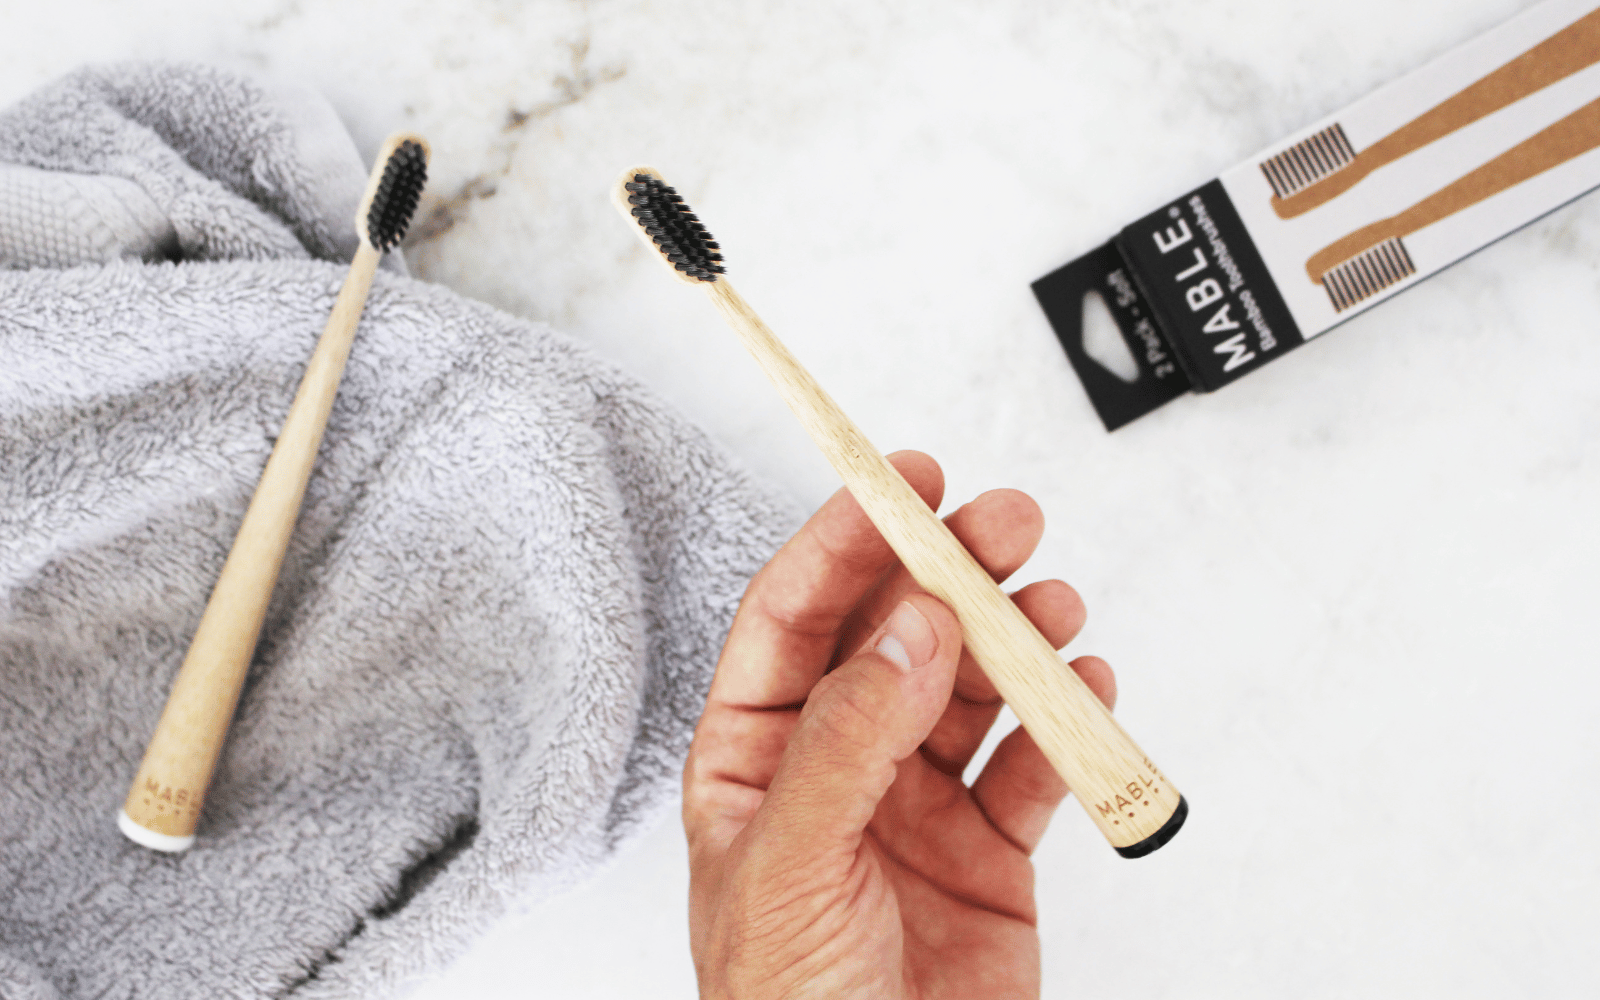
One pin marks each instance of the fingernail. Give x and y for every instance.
(908, 639)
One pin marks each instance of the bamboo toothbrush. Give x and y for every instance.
(163, 805)
(1323, 166)
(1131, 802)
(1364, 263)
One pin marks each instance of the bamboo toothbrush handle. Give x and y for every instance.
(1123, 792)
(167, 792)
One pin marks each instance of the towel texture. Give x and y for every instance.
(494, 627)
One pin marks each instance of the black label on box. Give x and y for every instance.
(1105, 273)
(1213, 298)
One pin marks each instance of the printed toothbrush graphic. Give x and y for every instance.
(1372, 258)
(1320, 168)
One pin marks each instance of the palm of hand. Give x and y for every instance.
(902, 881)
(939, 903)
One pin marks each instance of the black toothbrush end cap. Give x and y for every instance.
(1169, 829)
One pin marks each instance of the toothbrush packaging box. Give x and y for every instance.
(1335, 219)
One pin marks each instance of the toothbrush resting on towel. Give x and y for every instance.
(163, 804)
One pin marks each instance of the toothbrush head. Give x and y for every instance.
(1368, 273)
(667, 226)
(1307, 164)
(396, 183)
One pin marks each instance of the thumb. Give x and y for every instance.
(859, 721)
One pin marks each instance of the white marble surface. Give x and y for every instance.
(1350, 599)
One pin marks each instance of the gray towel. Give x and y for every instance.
(494, 627)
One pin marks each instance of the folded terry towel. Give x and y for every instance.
(493, 630)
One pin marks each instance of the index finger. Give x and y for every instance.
(796, 607)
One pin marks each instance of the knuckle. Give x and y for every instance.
(844, 710)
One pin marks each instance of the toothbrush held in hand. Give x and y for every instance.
(1132, 803)
(163, 806)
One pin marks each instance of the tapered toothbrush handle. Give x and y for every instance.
(163, 805)
(1127, 797)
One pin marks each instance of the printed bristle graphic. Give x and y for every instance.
(677, 232)
(395, 199)
(1367, 274)
(1308, 161)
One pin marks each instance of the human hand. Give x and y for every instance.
(834, 850)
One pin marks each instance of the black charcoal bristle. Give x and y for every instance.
(678, 232)
(396, 197)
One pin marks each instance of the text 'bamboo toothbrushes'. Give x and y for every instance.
(163, 805)
(1127, 797)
